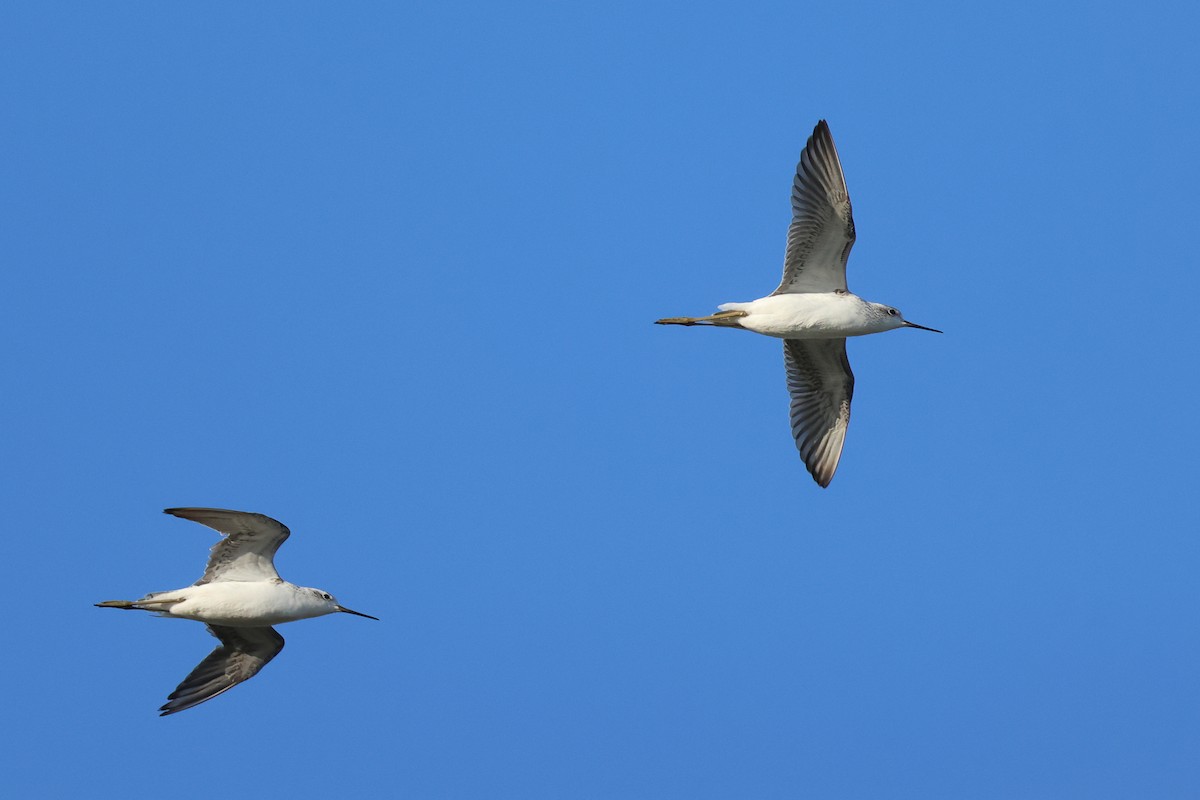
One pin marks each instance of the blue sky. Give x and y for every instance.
(387, 273)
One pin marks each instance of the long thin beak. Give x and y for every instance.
(908, 324)
(356, 613)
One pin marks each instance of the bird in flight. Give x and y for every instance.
(239, 597)
(812, 310)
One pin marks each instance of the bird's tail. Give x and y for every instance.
(727, 319)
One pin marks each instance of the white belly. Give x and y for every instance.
(240, 603)
(812, 315)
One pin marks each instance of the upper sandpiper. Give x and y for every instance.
(812, 310)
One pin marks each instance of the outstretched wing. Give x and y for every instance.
(241, 654)
(247, 553)
(821, 385)
(822, 230)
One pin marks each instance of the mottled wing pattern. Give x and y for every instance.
(247, 553)
(821, 385)
(241, 654)
(822, 230)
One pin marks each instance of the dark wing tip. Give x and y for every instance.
(183, 512)
(820, 465)
(220, 519)
(821, 135)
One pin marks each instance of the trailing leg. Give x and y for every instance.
(728, 319)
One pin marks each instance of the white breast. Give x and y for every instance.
(244, 603)
(811, 315)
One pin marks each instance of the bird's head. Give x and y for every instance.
(890, 318)
(332, 606)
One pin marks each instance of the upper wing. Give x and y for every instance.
(821, 384)
(241, 654)
(247, 553)
(822, 230)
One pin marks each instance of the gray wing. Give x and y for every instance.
(247, 553)
(241, 654)
(822, 230)
(821, 385)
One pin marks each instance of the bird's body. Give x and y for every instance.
(238, 603)
(239, 598)
(813, 315)
(812, 310)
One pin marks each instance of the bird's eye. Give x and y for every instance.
(326, 596)
(893, 312)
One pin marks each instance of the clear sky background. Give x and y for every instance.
(387, 272)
